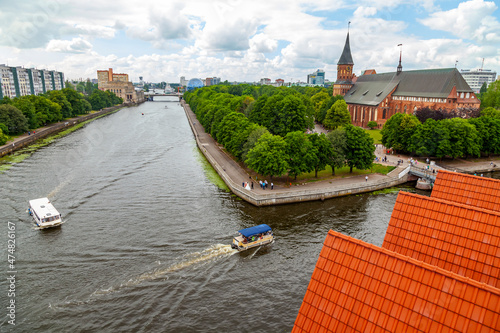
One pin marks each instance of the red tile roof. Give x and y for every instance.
(360, 287)
(459, 238)
(467, 189)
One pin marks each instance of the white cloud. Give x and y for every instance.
(471, 20)
(263, 44)
(76, 45)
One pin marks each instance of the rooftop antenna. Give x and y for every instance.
(456, 62)
(400, 67)
(348, 24)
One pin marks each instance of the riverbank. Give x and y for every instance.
(25, 140)
(235, 176)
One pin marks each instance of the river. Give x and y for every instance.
(146, 243)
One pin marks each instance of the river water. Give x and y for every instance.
(146, 245)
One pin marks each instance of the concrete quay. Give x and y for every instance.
(25, 140)
(234, 175)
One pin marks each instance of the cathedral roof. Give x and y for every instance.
(432, 83)
(346, 57)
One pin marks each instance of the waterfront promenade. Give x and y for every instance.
(234, 175)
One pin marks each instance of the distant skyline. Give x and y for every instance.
(239, 40)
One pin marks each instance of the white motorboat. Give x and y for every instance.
(44, 213)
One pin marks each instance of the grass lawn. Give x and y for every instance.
(375, 134)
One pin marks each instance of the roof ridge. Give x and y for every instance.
(451, 203)
(438, 270)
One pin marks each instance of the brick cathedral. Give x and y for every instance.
(376, 97)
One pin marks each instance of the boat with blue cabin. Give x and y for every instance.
(248, 238)
(44, 213)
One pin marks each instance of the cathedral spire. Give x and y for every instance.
(400, 67)
(346, 58)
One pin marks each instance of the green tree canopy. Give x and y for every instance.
(28, 109)
(301, 153)
(323, 149)
(491, 98)
(13, 118)
(338, 140)
(360, 148)
(268, 157)
(398, 130)
(488, 129)
(337, 115)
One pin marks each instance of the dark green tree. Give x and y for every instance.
(398, 130)
(13, 118)
(252, 139)
(268, 157)
(3, 138)
(491, 98)
(338, 140)
(301, 153)
(57, 96)
(323, 149)
(28, 109)
(372, 124)
(488, 129)
(337, 115)
(360, 148)
(464, 138)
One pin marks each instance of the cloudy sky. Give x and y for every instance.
(241, 40)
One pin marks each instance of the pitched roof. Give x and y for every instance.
(431, 83)
(459, 238)
(360, 287)
(346, 57)
(467, 189)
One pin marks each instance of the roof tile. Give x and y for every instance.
(408, 294)
(467, 189)
(460, 241)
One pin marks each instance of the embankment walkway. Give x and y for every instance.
(233, 175)
(43, 132)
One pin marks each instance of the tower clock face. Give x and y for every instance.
(348, 68)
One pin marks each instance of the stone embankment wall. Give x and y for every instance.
(53, 129)
(394, 178)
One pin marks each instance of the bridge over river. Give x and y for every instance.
(150, 96)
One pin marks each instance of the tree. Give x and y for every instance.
(89, 88)
(372, 124)
(268, 157)
(301, 153)
(323, 149)
(432, 138)
(3, 138)
(325, 106)
(28, 109)
(69, 85)
(491, 98)
(338, 140)
(252, 139)
(14, 119)
(360, 148)
(337, 115)
(58, 97)
(318, 100)
(488, 129)
(464, 138)
(397, 131)
(490, 112)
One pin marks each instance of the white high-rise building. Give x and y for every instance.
(475, 78)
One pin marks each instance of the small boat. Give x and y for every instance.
(252, 237)
(44, 213)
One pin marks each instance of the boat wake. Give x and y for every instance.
(212, 253)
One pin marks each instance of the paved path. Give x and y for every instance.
(238, 175)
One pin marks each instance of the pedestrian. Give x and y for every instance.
(252, 185)
(265, 184)
(366, 178)
(243, 184)
(260, 184)
(272, 186)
